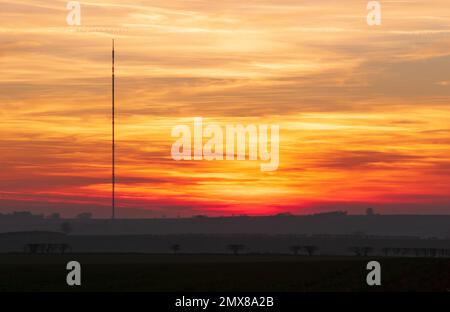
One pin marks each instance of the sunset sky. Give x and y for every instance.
(364, 111)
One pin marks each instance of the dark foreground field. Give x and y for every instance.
(139, 272)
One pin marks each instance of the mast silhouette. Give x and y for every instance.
(113, 215)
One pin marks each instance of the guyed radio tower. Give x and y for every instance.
(113, 215)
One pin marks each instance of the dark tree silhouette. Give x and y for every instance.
(50, 248)
(370, 212)
(46, 248)
(42, 248)
(311, 249)
(175, 248)
(406, 251)
(63, 248)
(235, 248)
(361, 251)
(433, 252)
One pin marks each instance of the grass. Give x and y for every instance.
(144, 272)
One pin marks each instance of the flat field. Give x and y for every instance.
(220, 273)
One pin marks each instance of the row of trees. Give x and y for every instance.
(418, 252)
(402, 251)
(310, 250)
(238, 248)
(234, 248)
(362, 251)
(80, 216)
(46, 248)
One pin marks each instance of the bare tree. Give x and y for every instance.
(64, 247)
(370, 212)
(50, 248)
(424, 252)
(175, 248)
(235, 248)
(406, 251)
(41, 248)
(311, 249)
(417, 252)
(361, 250)
(433, 252)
